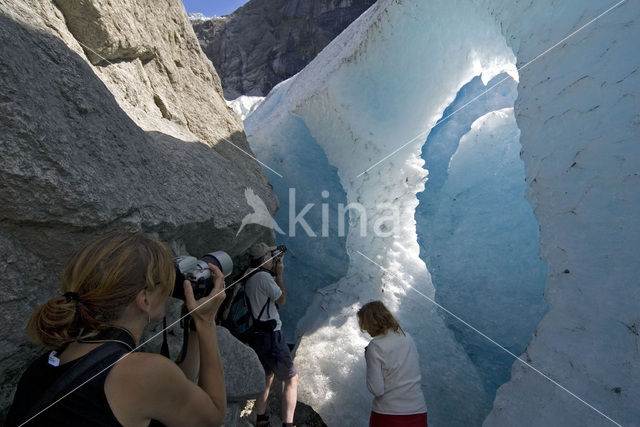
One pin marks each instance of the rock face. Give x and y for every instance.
(111, 118)
(243, 373)
(267, 41)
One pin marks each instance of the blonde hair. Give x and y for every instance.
(376, 319)
(104, 276)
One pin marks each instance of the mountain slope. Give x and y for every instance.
(267, 41)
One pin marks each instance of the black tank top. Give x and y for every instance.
(74, 390)
(87, 406)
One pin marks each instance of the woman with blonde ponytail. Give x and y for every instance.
(110, 291)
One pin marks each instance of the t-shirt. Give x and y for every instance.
(259, 288)
(393, 375)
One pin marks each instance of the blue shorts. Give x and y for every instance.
(274, 354)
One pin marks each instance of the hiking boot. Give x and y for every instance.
(263, 421)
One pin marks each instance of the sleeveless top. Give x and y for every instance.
(87, 406)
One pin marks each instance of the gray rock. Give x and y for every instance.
(267, 41)
(99, 135)
(304, 416)
(243, 373)
(22, 281)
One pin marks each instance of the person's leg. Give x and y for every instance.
(261, 401)
(289, 398)
(286, 372)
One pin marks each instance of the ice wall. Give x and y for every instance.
(477, 232)
(577, 110)
(308, 188)
(480, 240)
(367, 93)
(382, 83)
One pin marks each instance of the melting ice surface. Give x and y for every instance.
(477, 233)
(371, 95)
(370, 91)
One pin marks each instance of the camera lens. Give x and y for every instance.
(198, 273)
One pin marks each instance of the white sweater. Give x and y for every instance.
(393, 375)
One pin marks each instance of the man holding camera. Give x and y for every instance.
(265, 291)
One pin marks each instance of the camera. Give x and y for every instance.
(278, 252)
(198, 273)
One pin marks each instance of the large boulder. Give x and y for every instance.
(111, 118)
(243, 372)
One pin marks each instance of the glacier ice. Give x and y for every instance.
(302, 177)
(477, 233)
(357, 110)
(577, 110)
(381, 85)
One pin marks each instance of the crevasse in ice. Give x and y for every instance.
(380, 87)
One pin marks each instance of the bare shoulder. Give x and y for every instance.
(145, 386)
(145, 369)
(138, 383)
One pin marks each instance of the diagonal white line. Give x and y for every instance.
(506, 78)
(574, 33)
(424, 133)
(141, 345)
(224, 139)
(392, 153)
(493, 341)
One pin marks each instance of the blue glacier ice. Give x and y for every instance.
(477, 232)
(356, 116)
(303, 178)
(370, 99)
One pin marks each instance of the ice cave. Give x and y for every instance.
(474, 164)
(471, 147)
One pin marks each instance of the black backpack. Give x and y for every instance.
(240, 321)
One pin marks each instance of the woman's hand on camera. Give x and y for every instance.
(205, 309)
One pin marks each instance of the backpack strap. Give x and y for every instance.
(235, 297)
(266, 305)
(84, 370)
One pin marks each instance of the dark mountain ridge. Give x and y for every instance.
(267, 41)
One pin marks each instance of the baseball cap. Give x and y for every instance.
(258, 250)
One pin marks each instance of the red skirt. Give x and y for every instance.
(386, 420)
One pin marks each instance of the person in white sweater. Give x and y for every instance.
(393, 370)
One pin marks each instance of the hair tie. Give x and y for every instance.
(72, 296)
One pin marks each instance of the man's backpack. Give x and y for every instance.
(239, 320)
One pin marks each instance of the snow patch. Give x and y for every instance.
(244, 105)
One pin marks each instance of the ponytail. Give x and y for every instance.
(59, 321)
(99, 282)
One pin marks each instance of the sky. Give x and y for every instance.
(212, 7)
